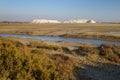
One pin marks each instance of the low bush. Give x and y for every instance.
(110, 52)
(50, 47)
(65, 66)
(16, 64)
(84, 50)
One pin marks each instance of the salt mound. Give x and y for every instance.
(37, 21)
(76, 21)
(80, 21)
(91, 21)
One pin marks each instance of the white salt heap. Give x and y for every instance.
(80, 21)
(40, 21)
(37, 21)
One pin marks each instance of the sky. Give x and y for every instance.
(27, 10)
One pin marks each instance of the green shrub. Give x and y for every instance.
(65, 66)
(11, 60)
(50, 47)
(16, 64)
(38, 51)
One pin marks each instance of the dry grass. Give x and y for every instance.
(110, 52)
(96, 31)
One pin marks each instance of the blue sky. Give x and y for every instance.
(27, 10)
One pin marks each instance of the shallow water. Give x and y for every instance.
(115, 32)
(91, 41)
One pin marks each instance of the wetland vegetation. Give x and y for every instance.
(33, 59)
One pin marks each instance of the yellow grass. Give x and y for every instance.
(94, 31)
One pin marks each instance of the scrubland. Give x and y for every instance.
(32, 59)
(29, 59)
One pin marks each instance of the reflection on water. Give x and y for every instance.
(91, 41)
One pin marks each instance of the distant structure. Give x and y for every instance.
(80, 21)
(40, 21)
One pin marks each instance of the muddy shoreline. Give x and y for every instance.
(96, 37)
(57, 38)
(101, 36)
